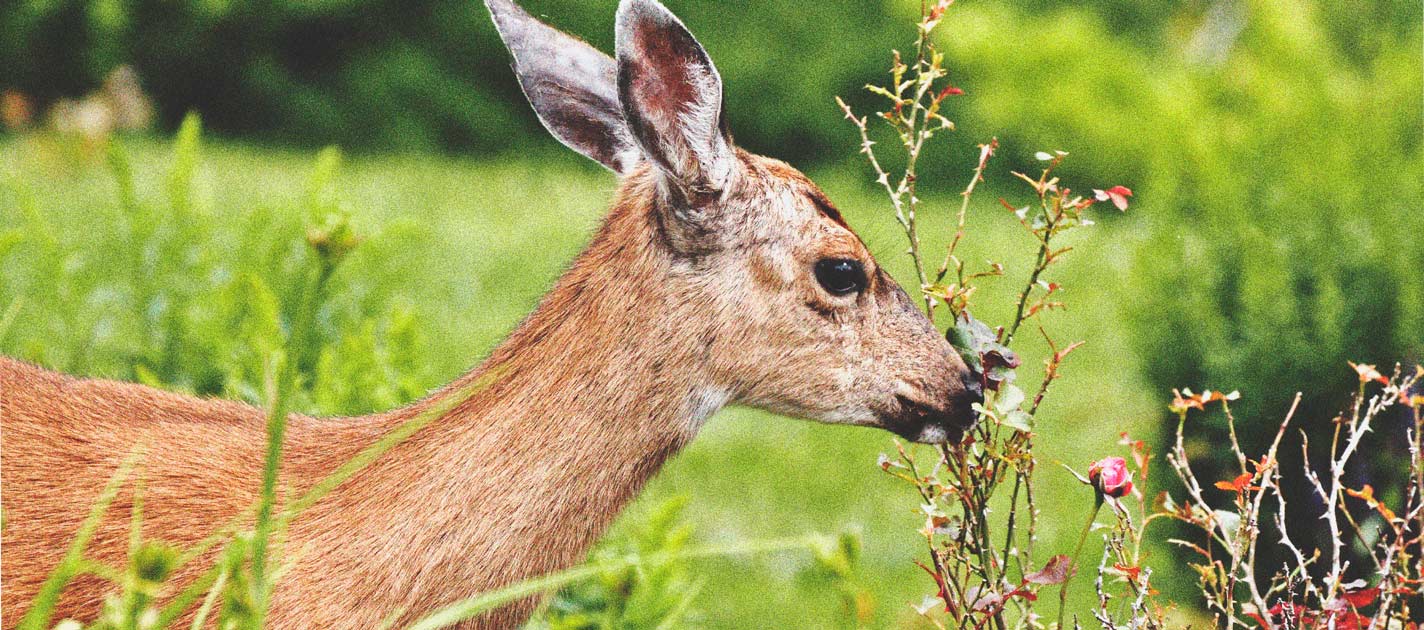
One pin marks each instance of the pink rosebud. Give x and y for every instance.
(1110, 476)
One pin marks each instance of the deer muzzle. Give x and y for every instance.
(942, 421)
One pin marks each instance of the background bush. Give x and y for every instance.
(424, 74)
(1275, 148)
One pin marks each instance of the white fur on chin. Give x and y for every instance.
(933, 434)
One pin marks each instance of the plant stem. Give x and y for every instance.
(1077, 552)
(1039, 265)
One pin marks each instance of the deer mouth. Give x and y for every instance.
(930, 424)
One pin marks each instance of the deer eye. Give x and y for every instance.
(839, 276)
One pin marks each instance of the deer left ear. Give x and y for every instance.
(671, 96)
(571, 85)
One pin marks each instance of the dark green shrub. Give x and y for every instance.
(390, 74)
(1275, 150)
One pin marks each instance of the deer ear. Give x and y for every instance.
(572, 86)
(672, 98)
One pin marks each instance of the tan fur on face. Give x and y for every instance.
(782, 342)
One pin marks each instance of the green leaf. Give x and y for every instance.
(979, 346)
(147, 376)
(185, 163)
(1230, 521)
(1009, 399)
(1018, 419)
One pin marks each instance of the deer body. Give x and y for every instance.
(697, 292)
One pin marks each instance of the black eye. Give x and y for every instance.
(840, 276)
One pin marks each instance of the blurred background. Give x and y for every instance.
(1274, 147)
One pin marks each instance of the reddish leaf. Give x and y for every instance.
(1131, 573)
(1361, 598)
(1367, 494)
(1368, 373)
(943, 593)
(937, 11)
(1239, 485)
(1117, 194)
(1184, 399)
(1057, 571)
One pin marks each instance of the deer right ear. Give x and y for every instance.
(672, 98)
(572, 86)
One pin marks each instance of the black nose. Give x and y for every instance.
(974, 386)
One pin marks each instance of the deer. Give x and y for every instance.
(717, 278)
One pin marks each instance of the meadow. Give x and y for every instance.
(461, 248)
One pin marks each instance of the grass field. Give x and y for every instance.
(469, 246)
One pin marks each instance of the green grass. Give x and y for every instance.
(468, 247)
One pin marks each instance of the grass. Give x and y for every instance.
(468, 247)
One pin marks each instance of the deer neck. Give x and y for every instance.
(566, 421)
(611, 361)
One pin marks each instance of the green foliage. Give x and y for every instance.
(1275, 149)
(182, 299)
(429, 74)
(637, 596)
(1282, 175)
(837, 570)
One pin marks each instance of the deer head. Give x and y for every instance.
(794, 314)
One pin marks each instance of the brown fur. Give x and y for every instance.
(698, 292)
(611, 375)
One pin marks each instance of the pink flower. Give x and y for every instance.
(1118, 195)
(1111, 477)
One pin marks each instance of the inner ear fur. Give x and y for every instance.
(671, 95)
(572, 86)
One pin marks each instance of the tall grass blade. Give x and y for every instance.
(479, 604)
(180, 603)
(42, 608)
(678, 614)
(206, 609)
(279, 384)
(122, 169)
(397, 435)
(185, 163)
(8, 318)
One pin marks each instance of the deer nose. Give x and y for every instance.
(973, 381)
